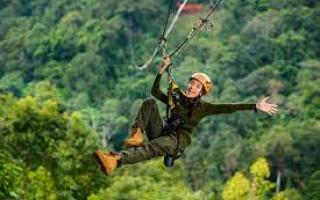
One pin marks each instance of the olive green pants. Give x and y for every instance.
(160, 143)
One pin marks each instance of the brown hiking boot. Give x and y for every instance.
(135, 139)
(108, 161)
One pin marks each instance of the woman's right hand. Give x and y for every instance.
(166, 62)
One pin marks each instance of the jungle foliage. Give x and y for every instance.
(69, 83)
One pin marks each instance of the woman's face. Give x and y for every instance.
(194, 89)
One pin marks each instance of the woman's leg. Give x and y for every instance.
(160, 146)
(149, 119)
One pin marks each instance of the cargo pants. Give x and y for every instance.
(160, 142)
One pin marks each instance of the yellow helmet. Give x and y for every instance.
(204, 80)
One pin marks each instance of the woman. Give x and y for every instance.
(174, 135)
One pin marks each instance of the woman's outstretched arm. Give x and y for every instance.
(212, 109)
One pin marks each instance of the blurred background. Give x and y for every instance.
(70, 83)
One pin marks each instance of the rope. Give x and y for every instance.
(167, 19)
(165, 33)
(195, 29)
(176, 18)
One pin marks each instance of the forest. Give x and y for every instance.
(70, 83)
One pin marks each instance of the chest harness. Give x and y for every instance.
(173, 120)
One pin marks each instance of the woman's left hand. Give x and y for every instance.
(269, 108)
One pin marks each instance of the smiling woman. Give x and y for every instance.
(194, 89)
(199, 84)
(171, 136)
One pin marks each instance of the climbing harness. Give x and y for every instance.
(173, 121)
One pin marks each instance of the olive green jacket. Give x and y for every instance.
(191, 113)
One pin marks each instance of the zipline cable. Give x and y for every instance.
(195, 29)
(162, 37)
(176, 18)
(165, 33)
(162, 40)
